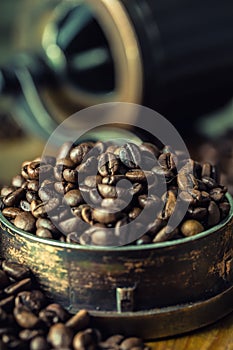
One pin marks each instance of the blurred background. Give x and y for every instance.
(57, 57)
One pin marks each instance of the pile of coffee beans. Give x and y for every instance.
(91, 192)
(28, 321)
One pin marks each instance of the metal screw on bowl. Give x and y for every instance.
(125, 299)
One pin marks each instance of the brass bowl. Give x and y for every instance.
(157, 289)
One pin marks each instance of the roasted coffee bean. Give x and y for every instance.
(46, 224)
(217, 194)
(85, 340)
(25, 205)
(25, 221)
(17, 181)
(186, 181)
(60, 336)
(78, 153)
(45, 193)
(107, 191)
(206, 170)
(191, 228)
(198, 213)
(105, 216)
(33, 300)
(134, 213)
(130, 155)
(114, 204)
(70, 175)
(214, 214)
(165, 234)
(29, 334)
(15, 270)
(39, 343)
(87, 168)
(145, 239)
(53, 313)
(14, 197)
(130, 343)
(7, 190)
(139, 175)
(31, 196)
(71, 225)
(43, 233)
(102, 237)
(108, 164)
(17, 287)
(64, 150)
(73, 198)
(112, 180)
(209, 182)
(11, 212)
(166, 161)
(25, 318)
(169, 206)
(79, 321)
(224, 208)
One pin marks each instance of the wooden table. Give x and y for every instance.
(215, 337)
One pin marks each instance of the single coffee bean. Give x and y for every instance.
(43, 233)
(108, 164)
(11, 212)
(78, 153)
(112, 180)
(60, 336)
(53, 313)
(46, 224)
(39, 343)
(206, 170)
(130, 343)
(25, 318)
(71, 225)
(64, 163)
(73, 198)
(165, 234)
(170, 205)
(214, 214)
(186, 181)
(114, 204)
(29, 334)
(87, 168)
(209, 182)
(224, 208)
(33, 300)
(7, 190)
(217, 194)
(17, 181)
(102, 237)
(130, 155)
(85, 340)
(191, 228)
(107, 191)
(198, 213)
(15, 270)
(70, 175)
(13, 198)
(25, 205)
(166, 161)
(79, 321)
(19, 286)
(64, 150)
(104, 216)
(25, 221)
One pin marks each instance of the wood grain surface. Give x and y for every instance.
(218, 336)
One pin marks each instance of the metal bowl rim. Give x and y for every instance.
(150, 246)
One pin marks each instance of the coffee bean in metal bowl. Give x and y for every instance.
(29, 321)
(104, 194)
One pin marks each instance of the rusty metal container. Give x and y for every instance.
(159, 289)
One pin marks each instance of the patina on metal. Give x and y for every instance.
(162, 289)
